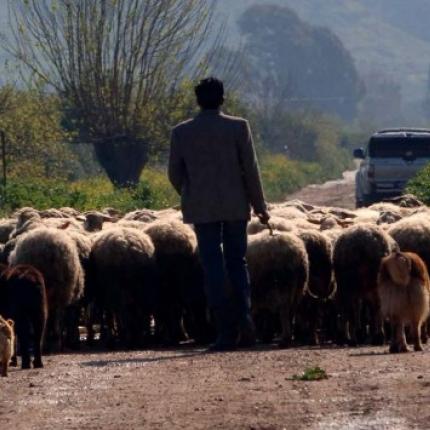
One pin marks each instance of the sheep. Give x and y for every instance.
(288, 213)
(144, 215)
(131, 224)
(23, 299)
(169, 215)
(123, 262)
(298, 204)
(366, 216)
(63, 224)
(69, 212)
(413, 235)
(404, 291)
(83, 243)
(30, 219)
(53, 213)
(94, 221)
(55, 255)
(279, 269)
(329, 221)
(181, 295)
(112, 213)
(316, 305)
(7, 226)
(407, 201)
(8, 247)
(27, 219)
(385, 207)
(357, 255)
(276, 223)
(388, 217)
(7, 344)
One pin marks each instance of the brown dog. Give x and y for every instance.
(7, 344)
(404, 291)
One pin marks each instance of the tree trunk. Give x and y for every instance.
(123, 161)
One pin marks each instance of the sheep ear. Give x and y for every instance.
(80, 218)
(10, 322)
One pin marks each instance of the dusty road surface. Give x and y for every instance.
(189, 389)
(340, 192)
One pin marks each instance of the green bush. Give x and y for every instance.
(420, 185)
(153, 192)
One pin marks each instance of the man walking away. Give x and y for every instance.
(213, 166)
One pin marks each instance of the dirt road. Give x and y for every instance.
(340, 192)
(188, 389)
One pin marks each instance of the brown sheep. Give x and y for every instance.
(181, 294)
(404, 291)
(357, 255)
(316, 307)
(123, 265)
(279, 269)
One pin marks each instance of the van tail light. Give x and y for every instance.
(371, 172)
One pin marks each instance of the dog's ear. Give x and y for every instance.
(10, 322)
(418, 268)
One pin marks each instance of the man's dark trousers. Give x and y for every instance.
(222, 248)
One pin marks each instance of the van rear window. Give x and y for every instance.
(400, 148)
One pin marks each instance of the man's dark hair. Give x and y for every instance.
(210, 93)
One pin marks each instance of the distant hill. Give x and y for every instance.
(388, 36)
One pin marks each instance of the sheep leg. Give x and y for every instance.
(14, 359)
(424, 331)
(377, 322)
(265, 322)
(71, 321)
(4, 368)
(53, 343)
(107, 330)
(354, 313)
(286, 336)
(23, 333)
(342, 329)
(398, 343)
(416, 335)
(39, 323)
(92, 315)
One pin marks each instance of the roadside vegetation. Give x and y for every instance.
(420, 185)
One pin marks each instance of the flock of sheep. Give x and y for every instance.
(136, 280)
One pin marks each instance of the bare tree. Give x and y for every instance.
(114, 62)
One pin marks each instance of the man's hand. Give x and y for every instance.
(264, 217)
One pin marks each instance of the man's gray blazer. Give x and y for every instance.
(213, 166)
